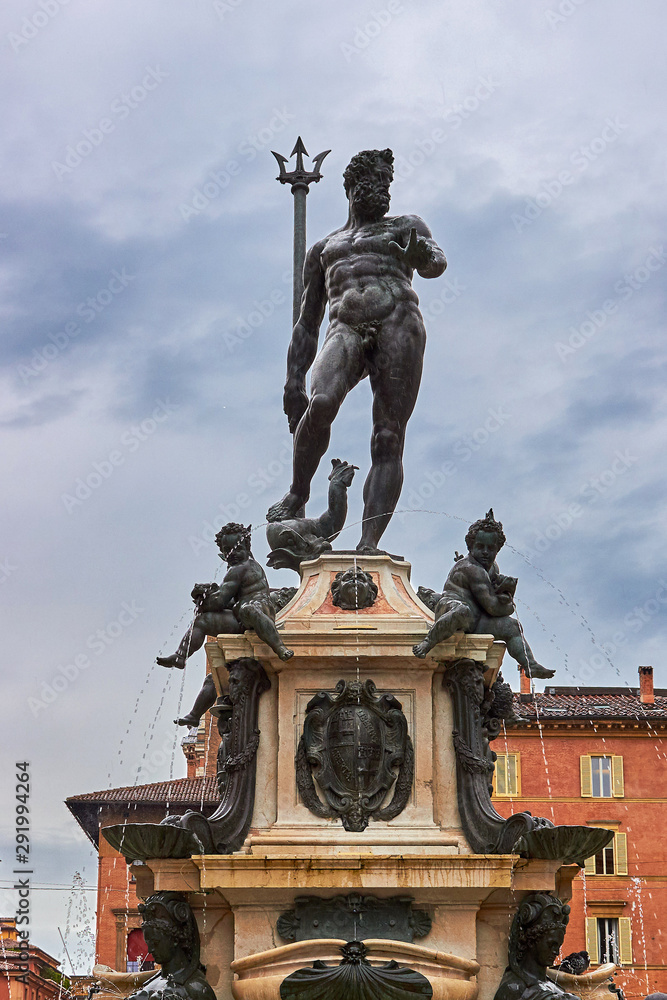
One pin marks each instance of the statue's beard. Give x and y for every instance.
(370, 200)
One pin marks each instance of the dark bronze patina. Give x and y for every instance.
(225, 830)
(537, 933)
(477, 598)
(477, 721)
(296, 539)
(355, 979)
(242, 601)
(352, 743)
(364, 272)
(353, 589)
(353, 916)
(171, 934)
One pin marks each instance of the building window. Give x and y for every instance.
(609, 939)
(601, 777)
(507, 775)
(611, 860)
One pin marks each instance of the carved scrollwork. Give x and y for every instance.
(478, 717)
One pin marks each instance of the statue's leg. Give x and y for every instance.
(458, 619)
(209, 623)
(338, 368)
(517, 646)
(395, 375)
(254, 618)
(204, 700)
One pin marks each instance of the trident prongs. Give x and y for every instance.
(299, 176)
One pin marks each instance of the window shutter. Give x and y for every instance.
(586, 776)
(511, 774)
(620, 854)
(625, 941)
(592, 939)
(589, 869)
(617, 777)
(502, 776)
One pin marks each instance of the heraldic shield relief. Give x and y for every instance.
(355, 744)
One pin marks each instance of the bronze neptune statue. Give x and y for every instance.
(364, 272)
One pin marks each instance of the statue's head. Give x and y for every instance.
(367, 178)
(538, 931)
(243, 673)
(342, 472)
(353, 589)
(233, 540)
(485, 539)
(169, 926)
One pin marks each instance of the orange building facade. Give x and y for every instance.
(26, 971)
(598, 757)
(119, 941)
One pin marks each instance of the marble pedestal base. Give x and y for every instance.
(289, 852)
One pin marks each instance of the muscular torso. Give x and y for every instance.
(364, 281)
(458, 582)
(253, 585)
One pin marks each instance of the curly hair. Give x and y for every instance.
(368, 161)
(487, 523)
(170, 913)
(533, 920)
(231, 529)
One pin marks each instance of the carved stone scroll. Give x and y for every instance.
(478, 715)
(225, 831)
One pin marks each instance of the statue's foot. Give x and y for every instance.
(175, 660)
(369, 550)
(420, 649)
(189, 720)
(285, 653)
(539, 672)
(289, 507)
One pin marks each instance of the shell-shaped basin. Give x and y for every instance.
(258, 977)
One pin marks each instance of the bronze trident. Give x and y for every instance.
(299, 178)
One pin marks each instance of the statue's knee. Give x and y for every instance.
(509, 629)
(387, 443)
(322, 409)
(245, 617)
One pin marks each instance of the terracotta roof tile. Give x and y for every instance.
(622, 704)
(177, 790)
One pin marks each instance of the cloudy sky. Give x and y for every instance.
(146, 254)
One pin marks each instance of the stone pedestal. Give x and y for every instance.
(289, 852)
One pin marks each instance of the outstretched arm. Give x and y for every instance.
(303, 346)
(421, 253)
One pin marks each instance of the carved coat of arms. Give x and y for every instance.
(355, 744)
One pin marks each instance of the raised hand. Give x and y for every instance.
(417, 254)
